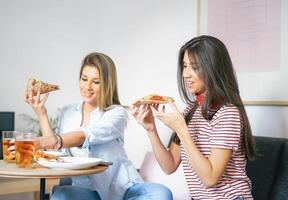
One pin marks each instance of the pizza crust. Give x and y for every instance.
(34, 84)
(153, 99)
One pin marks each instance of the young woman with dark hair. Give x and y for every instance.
(212, 138)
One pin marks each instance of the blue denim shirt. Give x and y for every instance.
(104, 139)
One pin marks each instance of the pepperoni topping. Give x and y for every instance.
(157, 98)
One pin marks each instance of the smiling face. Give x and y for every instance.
(90, 85)
(191, 75)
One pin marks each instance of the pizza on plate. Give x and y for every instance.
(34, 85)
(40, 155)
(153, 99)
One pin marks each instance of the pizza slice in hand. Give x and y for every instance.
(153, 99)
(34, 85)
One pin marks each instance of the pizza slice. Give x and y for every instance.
(40, 155)
(34, 85)
(153, 99)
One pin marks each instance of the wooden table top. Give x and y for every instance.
(11, 170)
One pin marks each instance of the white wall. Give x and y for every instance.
(49, 39)
(270, 121)
(264, 120)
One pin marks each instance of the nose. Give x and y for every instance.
(186, 73)
(88, 85)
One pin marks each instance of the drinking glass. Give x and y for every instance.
(24, 149)
(7, 141)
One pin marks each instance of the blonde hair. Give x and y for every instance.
(108, 94)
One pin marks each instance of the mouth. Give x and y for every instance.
(189, 83)
(88, 94)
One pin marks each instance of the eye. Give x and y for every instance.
(96, 82)
(84, 79)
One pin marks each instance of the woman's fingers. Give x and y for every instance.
(25, 96)
(134, 110)
(11, 148)
(163, 108)
(140, 112)
(144, 115)
(30, 96)
(155, 112)
(43, 100)
(38, 95)
(35, 101)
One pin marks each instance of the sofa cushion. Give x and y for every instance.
(280, 191)
(263, 170)
(6, 124)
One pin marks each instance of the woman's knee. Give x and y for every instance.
(148, 191)
(163, 192)
(60, 193)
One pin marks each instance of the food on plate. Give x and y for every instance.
(153, 99)
(40, 155)
(34, 85)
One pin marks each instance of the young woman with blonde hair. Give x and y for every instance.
(95, 128)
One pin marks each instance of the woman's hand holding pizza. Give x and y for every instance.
(173, 120)
(36, 102)
(33, 94)
(143, 107)
(144, 117)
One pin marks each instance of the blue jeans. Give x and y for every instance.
(69, 192)
(148, 191)
(139, 191)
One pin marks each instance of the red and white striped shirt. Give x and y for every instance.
(223, 131)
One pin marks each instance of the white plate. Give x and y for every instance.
(71, 163)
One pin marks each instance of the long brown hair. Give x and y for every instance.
(108, 94)
(217, 72)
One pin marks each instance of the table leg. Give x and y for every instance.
(42, 188)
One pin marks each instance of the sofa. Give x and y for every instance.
(268, 172)
(7, 120)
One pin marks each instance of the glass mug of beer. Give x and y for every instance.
(25, 148)
(7, 136)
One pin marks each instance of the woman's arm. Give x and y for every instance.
(168, 159)
(210, 169)
(45, 125)
(71, 139)
(49, 139)
(38, 105)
